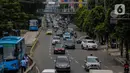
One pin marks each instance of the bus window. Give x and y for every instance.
(8, 51)
(33, 23)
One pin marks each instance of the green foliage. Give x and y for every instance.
(11, 15)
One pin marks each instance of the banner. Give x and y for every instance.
(80, 4)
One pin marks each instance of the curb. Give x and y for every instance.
(30, 67)
(31, 54)
(32, 48)
(38, 71)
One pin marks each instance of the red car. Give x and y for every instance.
(59, 49)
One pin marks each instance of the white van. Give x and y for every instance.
(49, 71)
(100, 71)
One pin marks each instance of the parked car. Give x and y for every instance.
(89, 44)
(62, 63)
(92, 62)
(55, 40)
(59, 49)
(70, 43)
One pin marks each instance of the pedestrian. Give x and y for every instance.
(26, 58)
(23, 65)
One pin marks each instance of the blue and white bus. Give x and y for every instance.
(33, 25)
(13, 52)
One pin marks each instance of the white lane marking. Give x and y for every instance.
(51, 57)
(66, 50)
(68, 54)
(76, 61)
(83, 66)
(49, 51)
(49, 54)
(72, 58)
(106, 66)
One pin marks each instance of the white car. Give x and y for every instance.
(89, 44)
(49, 32)
(49, 71)
(56, 39)
(92, 62)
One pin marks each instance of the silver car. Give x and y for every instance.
(92, 62)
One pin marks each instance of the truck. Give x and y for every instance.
(100, 71)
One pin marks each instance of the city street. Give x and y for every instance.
(44, 56)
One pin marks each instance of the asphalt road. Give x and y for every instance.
(44, 56)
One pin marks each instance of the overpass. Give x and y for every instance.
(55, 9)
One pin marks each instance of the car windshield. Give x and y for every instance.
(93, 60)
(49, 30)
(56, 37)
(91, 42)
(58, 46)
(69, 41)
(62, 60)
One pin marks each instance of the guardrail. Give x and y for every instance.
(32, 68)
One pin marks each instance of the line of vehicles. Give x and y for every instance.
(63, 39)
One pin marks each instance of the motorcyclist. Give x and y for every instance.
(126, 67)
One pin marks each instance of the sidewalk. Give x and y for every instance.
(116, 54)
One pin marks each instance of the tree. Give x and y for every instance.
(11, 14)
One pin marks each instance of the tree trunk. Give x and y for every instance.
(121, 47)
(127, 47)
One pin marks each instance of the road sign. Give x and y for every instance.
(51, 3)
(120, 9)
(113, 14)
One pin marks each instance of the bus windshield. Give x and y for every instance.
(33, 23)
(8, 51)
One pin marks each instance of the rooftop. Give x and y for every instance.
(10, 40)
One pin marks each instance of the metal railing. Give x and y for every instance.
(32, 68)
(59, 11)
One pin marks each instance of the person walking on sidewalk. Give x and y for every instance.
(26, 58)
(23, 65)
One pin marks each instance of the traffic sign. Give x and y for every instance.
(120, 9)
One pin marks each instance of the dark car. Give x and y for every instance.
(59, 33)
(69, 44)
(59, 49)
(62, 63)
